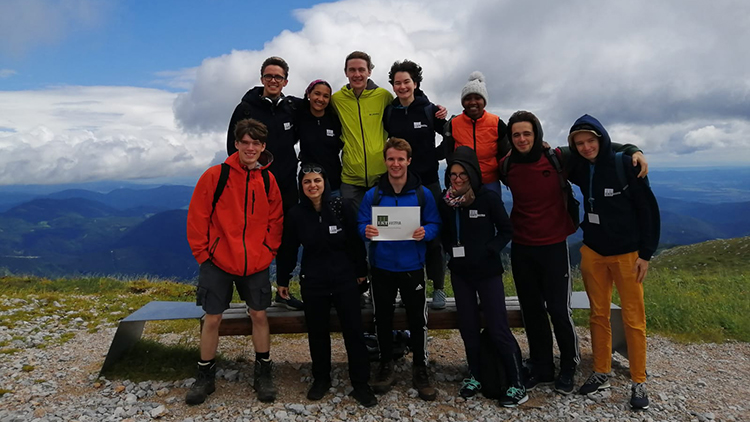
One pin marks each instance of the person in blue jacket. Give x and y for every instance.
(333, 265)
(398, 266)
(411, 116)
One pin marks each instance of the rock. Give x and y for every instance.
(158, 411)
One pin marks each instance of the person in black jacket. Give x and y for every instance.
(319, 132)
(476, 228)
(411, 116)
(333, 265)
(620, 234)
(268, 105)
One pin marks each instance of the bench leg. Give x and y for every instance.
(128, 333)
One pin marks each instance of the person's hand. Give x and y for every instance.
(545, 145)
(639, 158)
(640, 268)
(361, 280)
(418, 234)
(442, 112)
(371, 231)
(283, 291)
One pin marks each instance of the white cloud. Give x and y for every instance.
(7, 73)
(74, 134)
(25, 24)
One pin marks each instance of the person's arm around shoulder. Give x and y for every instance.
(649, 221)
(430, 218)
(199, 214)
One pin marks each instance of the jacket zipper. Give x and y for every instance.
(474, 133)
(244, 228)
(364, 146)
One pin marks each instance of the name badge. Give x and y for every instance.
(419, 125)
(333, 229)
(475, 214)
(287, 125)
(329, 132)
(593, 218)
(609, 192)
(459, 252)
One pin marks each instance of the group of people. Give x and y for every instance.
(361, 148)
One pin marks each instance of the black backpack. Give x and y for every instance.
(571, 203)
(493, 379)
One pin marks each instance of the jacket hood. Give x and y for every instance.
(303, 199)
(587, 122)
(466, 158)
(420, 100)
(371, 86)
(412, 183)
(265, 160)
(536, 150)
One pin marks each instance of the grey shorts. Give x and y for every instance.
(214, 292)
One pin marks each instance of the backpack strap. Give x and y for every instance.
(222, 183)
(266, 180)
(429, 113)
(555, 161)
(619, 168)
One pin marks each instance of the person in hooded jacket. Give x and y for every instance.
(333, 264)
(476, 229)
(234, 240)
(268, 105)
(539, 252)
(319, 132)
(620, 234)
(411, 116)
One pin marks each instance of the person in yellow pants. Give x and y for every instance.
(620, 234)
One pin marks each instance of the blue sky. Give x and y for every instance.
(114, 90)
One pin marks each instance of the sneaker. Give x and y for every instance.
(263, 381)
(438, 299)
(639, 396)
(534, 380)
(513, 397)
(385, 380)
(205, 384)
(421, 380)
(364, 300)
(564, 383)
(293, 304)
(364, 395)
(318, 389)
(595, 382)
(470, 388)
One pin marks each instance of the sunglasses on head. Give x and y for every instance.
(308, 170)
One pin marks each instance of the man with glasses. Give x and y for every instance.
(235, 240)
(268, 105)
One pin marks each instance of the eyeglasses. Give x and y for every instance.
(462, 176)
(245, 143)
(278, 78)
(308, 170)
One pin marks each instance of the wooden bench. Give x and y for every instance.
(236, 322)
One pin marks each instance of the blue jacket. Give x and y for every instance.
(407, 255)
(628, 215)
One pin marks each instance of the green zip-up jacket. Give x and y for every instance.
(362, 133)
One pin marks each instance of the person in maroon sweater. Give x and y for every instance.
(539, 250)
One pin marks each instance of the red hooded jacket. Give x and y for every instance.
(244, 233)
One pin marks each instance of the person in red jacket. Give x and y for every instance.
(235, 239)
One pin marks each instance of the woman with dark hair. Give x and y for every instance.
(332, 268)
(475, 229)
(319, 132)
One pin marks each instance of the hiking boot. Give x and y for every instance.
(263, 381)
(205, 384)
(513, 397)
(535, 380)
(363, 395)
(594, 383)
(639, 396)
(293, 304)
(438, 299)
(469, 388)
(564, 382)
(421, 381)
(385, 379)
(318, 389)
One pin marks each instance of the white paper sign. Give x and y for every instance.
(395, 223)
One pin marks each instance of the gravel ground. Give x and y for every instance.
(688, 382)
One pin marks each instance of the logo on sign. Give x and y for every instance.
(382, 221)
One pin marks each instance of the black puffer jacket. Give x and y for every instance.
(482, 228)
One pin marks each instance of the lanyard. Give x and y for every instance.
(591, 187)
(458, 227)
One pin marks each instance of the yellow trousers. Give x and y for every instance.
(599, 273)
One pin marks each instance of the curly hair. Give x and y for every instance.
(414, 70)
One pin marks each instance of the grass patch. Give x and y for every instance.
(9, 351)
(4, 392)
(151, 360)
(27, 368)
(174, 326)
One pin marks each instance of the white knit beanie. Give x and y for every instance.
(475, 86)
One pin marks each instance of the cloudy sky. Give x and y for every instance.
(111, 90)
